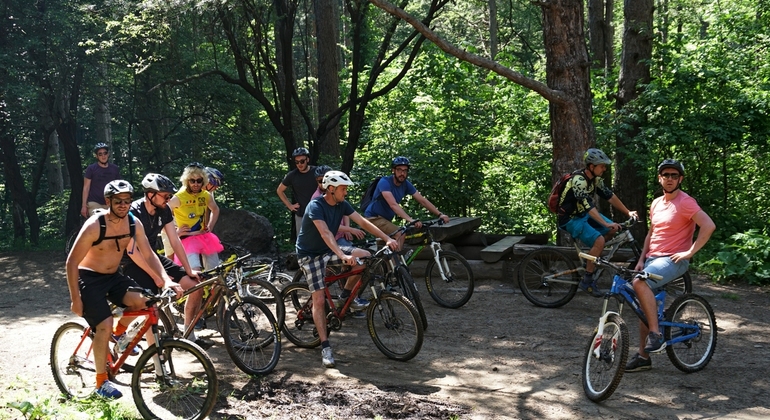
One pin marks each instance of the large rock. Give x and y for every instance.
(241, 228)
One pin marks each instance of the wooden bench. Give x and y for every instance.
(500, 249)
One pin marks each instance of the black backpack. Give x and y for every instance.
(368, 196)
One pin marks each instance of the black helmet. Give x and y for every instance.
(400, 161)
(215, 177)
(158, 182)
(671, 163)
(321, 170)
(300, 151)
(101, 146)
(595, 157)
(117, 186)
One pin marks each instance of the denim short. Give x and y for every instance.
(585, 229)
(666, 268)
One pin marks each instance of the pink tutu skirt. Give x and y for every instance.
(205, 244)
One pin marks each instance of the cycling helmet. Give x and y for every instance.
(117, 186)
(671, 163)
(595, 157)
(400, 161)
(336, 178)
(101, 146)
(321, 170)
(159, 183)
(215, 177)
(300, 151)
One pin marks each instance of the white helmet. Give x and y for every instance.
(336, 178)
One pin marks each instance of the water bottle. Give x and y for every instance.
(408, 254)
(126, 338)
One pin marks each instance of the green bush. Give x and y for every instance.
(746, 259)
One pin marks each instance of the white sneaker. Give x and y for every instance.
(327, 358)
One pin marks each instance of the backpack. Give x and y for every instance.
(557, 190)
(368, 196)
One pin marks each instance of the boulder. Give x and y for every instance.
(245, 229)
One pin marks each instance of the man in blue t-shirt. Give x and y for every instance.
(317, 249)
(387, 198)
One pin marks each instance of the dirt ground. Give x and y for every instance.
(498, 357)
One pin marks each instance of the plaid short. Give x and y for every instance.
(315, 267)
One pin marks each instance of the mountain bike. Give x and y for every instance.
(393, 322)
(173, 378)
(688, 326)
(549, 278)
(249, 329)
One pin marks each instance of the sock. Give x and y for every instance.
(192, 336)
(100, 379)
(345, 293)
(325, 344)
(120, 329)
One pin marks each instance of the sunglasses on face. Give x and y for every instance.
(670, 175)
(165, 197)
(121, 201)
(103, 153)
(300, 161)
(196, 181)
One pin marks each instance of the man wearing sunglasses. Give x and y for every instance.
(302, 182)
(96, 177)
(668, 249)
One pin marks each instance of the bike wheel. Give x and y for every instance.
(298, 324)
(72, 361)
(454, 290)
(548, 278)
(695, 353)
(189, 389)
(251, 336)
(395, 326)
(602, 374)
(679, 286)
(267, 288)
(409, 290)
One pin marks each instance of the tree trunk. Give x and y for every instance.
(600, 34)
(102, 118)
(326, 17)
(630, 183)
(493, 41)
(67, 132)
(53, 166)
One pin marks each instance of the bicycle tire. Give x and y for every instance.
(601, 376)
(454, 291)
(298, 324)
(73, 372)
(251, 336)
(409, 291)
(694, 354)
(188, 392)
(679, 286)
(394, 326)
(541, 263)
(263, 287)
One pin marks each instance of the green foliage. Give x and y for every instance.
(746, 258)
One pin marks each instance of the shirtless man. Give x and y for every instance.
(93, 277)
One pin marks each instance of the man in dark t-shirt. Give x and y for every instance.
(302, 183)
(96, 177)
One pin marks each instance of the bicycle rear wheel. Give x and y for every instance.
(251, 336)
(189, 389)
(395, 326)
(267, 288)
(298, 323)
(694, 354)
(454, 287)
(548, 278)
(409, 290)
(679, 286)
(72, 361)
(602, 374)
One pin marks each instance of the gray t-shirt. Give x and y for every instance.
(309, 240)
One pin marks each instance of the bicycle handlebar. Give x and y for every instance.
(166, 296)
(604, 262)
(212, 272)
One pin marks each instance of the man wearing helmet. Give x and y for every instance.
(388, 195)
(317, 248)
(579, 216)
(302, 182)
(96, 177)
(346, 233)
(156, 216)
(93, 277)
(667, 251)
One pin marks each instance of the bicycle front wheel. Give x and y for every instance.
(548, 278)
(267, 288)
(602, 373)
(72, 361)
(298, 324)
(451, 283)
(251, 336)
(188, 390)
(395, 326)
(693, 314)
(409, 290)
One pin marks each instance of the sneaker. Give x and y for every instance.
(358, 314)
(655, 343)
(327, 357)
(108, 390)
(200, 325)
(359, 304)
(116, 338)
(591, 288)
(637, 364)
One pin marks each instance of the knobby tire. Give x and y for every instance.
(601, 376)
(457, 289)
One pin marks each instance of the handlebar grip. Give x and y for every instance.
(587, 257)
(656, 277)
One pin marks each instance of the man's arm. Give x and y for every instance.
(374, 230)
(430, 207)
(86, 189)
(615, 201)
(148, 260)
(80, 248)
(706, 227)
(330, 242)
(214, 213)
(388, 196)
(281, 191)
(176, 245)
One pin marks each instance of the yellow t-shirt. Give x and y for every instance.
(192, 208)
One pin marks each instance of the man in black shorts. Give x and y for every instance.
(153, 211)
(93, 277)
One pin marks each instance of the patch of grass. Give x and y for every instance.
(730, 296)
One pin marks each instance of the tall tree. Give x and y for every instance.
(600, 34)
(327, 34)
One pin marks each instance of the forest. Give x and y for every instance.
(491, 100)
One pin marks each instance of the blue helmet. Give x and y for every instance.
(322, 170)
(300, 151)
(216, 178)
(400, 161)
